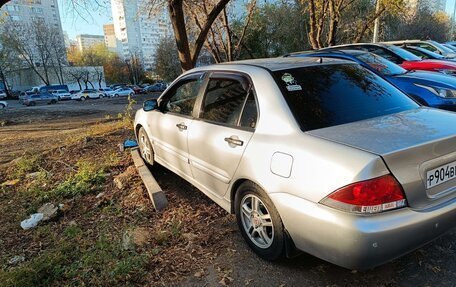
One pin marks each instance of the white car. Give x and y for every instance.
(87, 94)
(62, 95)
(2, 94)
(106, 91)
(122, 92)
(3, 105)
(320, 155)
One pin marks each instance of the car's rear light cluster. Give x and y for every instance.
(369, 196)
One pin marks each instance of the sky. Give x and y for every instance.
(90, 19)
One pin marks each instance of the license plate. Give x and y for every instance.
(440, 174)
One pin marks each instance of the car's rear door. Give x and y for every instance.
(169, 127)
(219, 135)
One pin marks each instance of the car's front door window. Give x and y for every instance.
(184, 96)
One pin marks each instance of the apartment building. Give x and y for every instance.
(86, 41)
(138, 33)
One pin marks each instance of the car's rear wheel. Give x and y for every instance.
(83, 98)
(2, 106)
(259, 222)
(132, 94)
(145, 147)
(100, 96)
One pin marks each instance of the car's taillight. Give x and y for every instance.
(369, 196)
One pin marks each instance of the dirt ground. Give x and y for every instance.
(202, 246)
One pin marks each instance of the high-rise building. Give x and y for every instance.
(110, 37)
(86, 41)
(26, 11)
(138, 34)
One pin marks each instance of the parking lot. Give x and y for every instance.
(231, 262)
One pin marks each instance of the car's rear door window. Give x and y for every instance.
(224, 101)
(334, 94)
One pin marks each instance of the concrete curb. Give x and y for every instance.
(157, 196)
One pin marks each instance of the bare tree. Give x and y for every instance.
(188, 52)
(326, 15)
(135, 68)
(8, 62)
(40, 47)
(222, 41)
(77, 74)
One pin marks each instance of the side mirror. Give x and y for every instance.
(150, 105)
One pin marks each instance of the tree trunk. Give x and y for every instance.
(176, 13)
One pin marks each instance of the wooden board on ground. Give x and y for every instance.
(157, 196)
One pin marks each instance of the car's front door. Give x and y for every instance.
(219, 135)
(168, 129)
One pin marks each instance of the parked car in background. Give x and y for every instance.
(49, 88)
(431, 89)
(425, 54)
(106, 91)
(3, 94)
(453, 48)
(122, 92)
(62, 95)
(87, 94)
(401, 57)
(75, 91)
(340, 164)
(428, 45)
(138, 90)
(157, 87)
(3, 105)
(43, 98)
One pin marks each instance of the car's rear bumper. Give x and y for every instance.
(360, 242)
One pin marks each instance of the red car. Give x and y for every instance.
(402, 57)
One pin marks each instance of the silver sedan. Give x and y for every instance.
(315, 155)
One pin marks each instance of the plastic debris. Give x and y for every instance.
(16, 260)
(32, 221)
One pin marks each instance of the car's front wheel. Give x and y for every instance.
(83, 98)
(259, 222)
(145, 147)
(2, 106)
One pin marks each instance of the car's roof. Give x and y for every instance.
(338, 52)
(275, 64)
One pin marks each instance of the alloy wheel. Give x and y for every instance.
(256, 221)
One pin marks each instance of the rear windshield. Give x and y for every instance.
(381, 64)
(325, 96)
(404, 54)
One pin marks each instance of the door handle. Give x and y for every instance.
(181, 126)
(234, 141)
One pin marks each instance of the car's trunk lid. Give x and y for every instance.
(412, 144)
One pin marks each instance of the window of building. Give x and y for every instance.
(12, 8)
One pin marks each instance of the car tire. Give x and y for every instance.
(83, 98)
(59, 98)
(145, 147)
(53, 102)
(100, 96)
(259, 222)
(116, 96)
(132, 94)
(2, 106)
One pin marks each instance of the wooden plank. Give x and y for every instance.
(157, 196)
